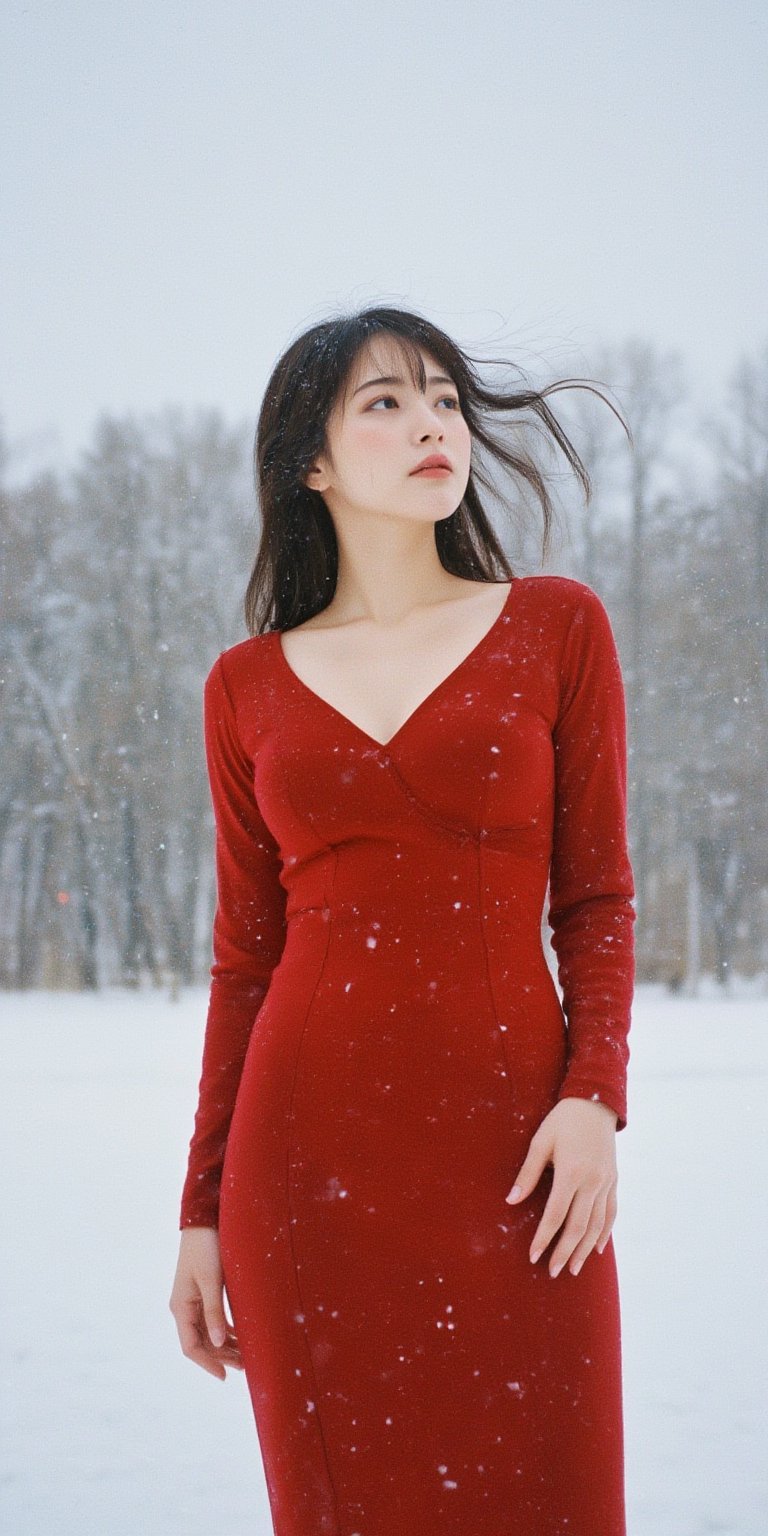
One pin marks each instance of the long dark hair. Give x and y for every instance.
(295, 571)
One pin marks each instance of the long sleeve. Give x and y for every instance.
(591, 881)
(248, 938)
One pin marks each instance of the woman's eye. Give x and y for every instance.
(384, 399)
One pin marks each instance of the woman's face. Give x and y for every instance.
(382, 431)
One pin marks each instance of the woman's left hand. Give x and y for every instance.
(578, 1137)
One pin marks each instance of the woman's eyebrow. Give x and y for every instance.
(391, 378)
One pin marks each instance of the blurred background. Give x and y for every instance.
(580, 189)
(188, 188)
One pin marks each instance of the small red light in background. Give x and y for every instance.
(62, 897)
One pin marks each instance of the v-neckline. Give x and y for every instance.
(358, 730)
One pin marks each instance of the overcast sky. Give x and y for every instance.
(186, 186)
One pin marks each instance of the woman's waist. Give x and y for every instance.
(395, 885)
(460, 927)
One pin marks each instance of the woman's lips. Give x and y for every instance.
(435, 469)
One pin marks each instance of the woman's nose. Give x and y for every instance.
(432, 422)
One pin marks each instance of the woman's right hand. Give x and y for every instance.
(197, 1303)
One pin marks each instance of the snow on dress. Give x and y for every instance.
(384, 1036)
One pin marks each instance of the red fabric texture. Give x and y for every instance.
(384, 1036)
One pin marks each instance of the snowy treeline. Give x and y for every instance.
(119, 589)
(123, 581)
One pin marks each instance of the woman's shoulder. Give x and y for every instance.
(244, 658)
(561, 600)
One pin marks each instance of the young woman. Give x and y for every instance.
(403, 755)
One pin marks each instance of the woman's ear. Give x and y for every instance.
(316, 478)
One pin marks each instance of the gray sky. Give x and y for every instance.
(186, 186)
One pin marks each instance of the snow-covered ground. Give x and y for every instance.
(108, 1430)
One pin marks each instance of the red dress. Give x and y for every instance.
(384, 1036)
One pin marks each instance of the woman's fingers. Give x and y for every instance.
(193, 1337)
(575, 1257)
(581, 1147)
(206, 1334)
(197, 1345)
(555, 1211)
(231, 1357)
(611, 1207)
(570, 1202)
(229, 1352)
(213, 1309)
(590, 1210)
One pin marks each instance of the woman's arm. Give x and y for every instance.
(592, 920)
(591, 882)
(248, 939)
